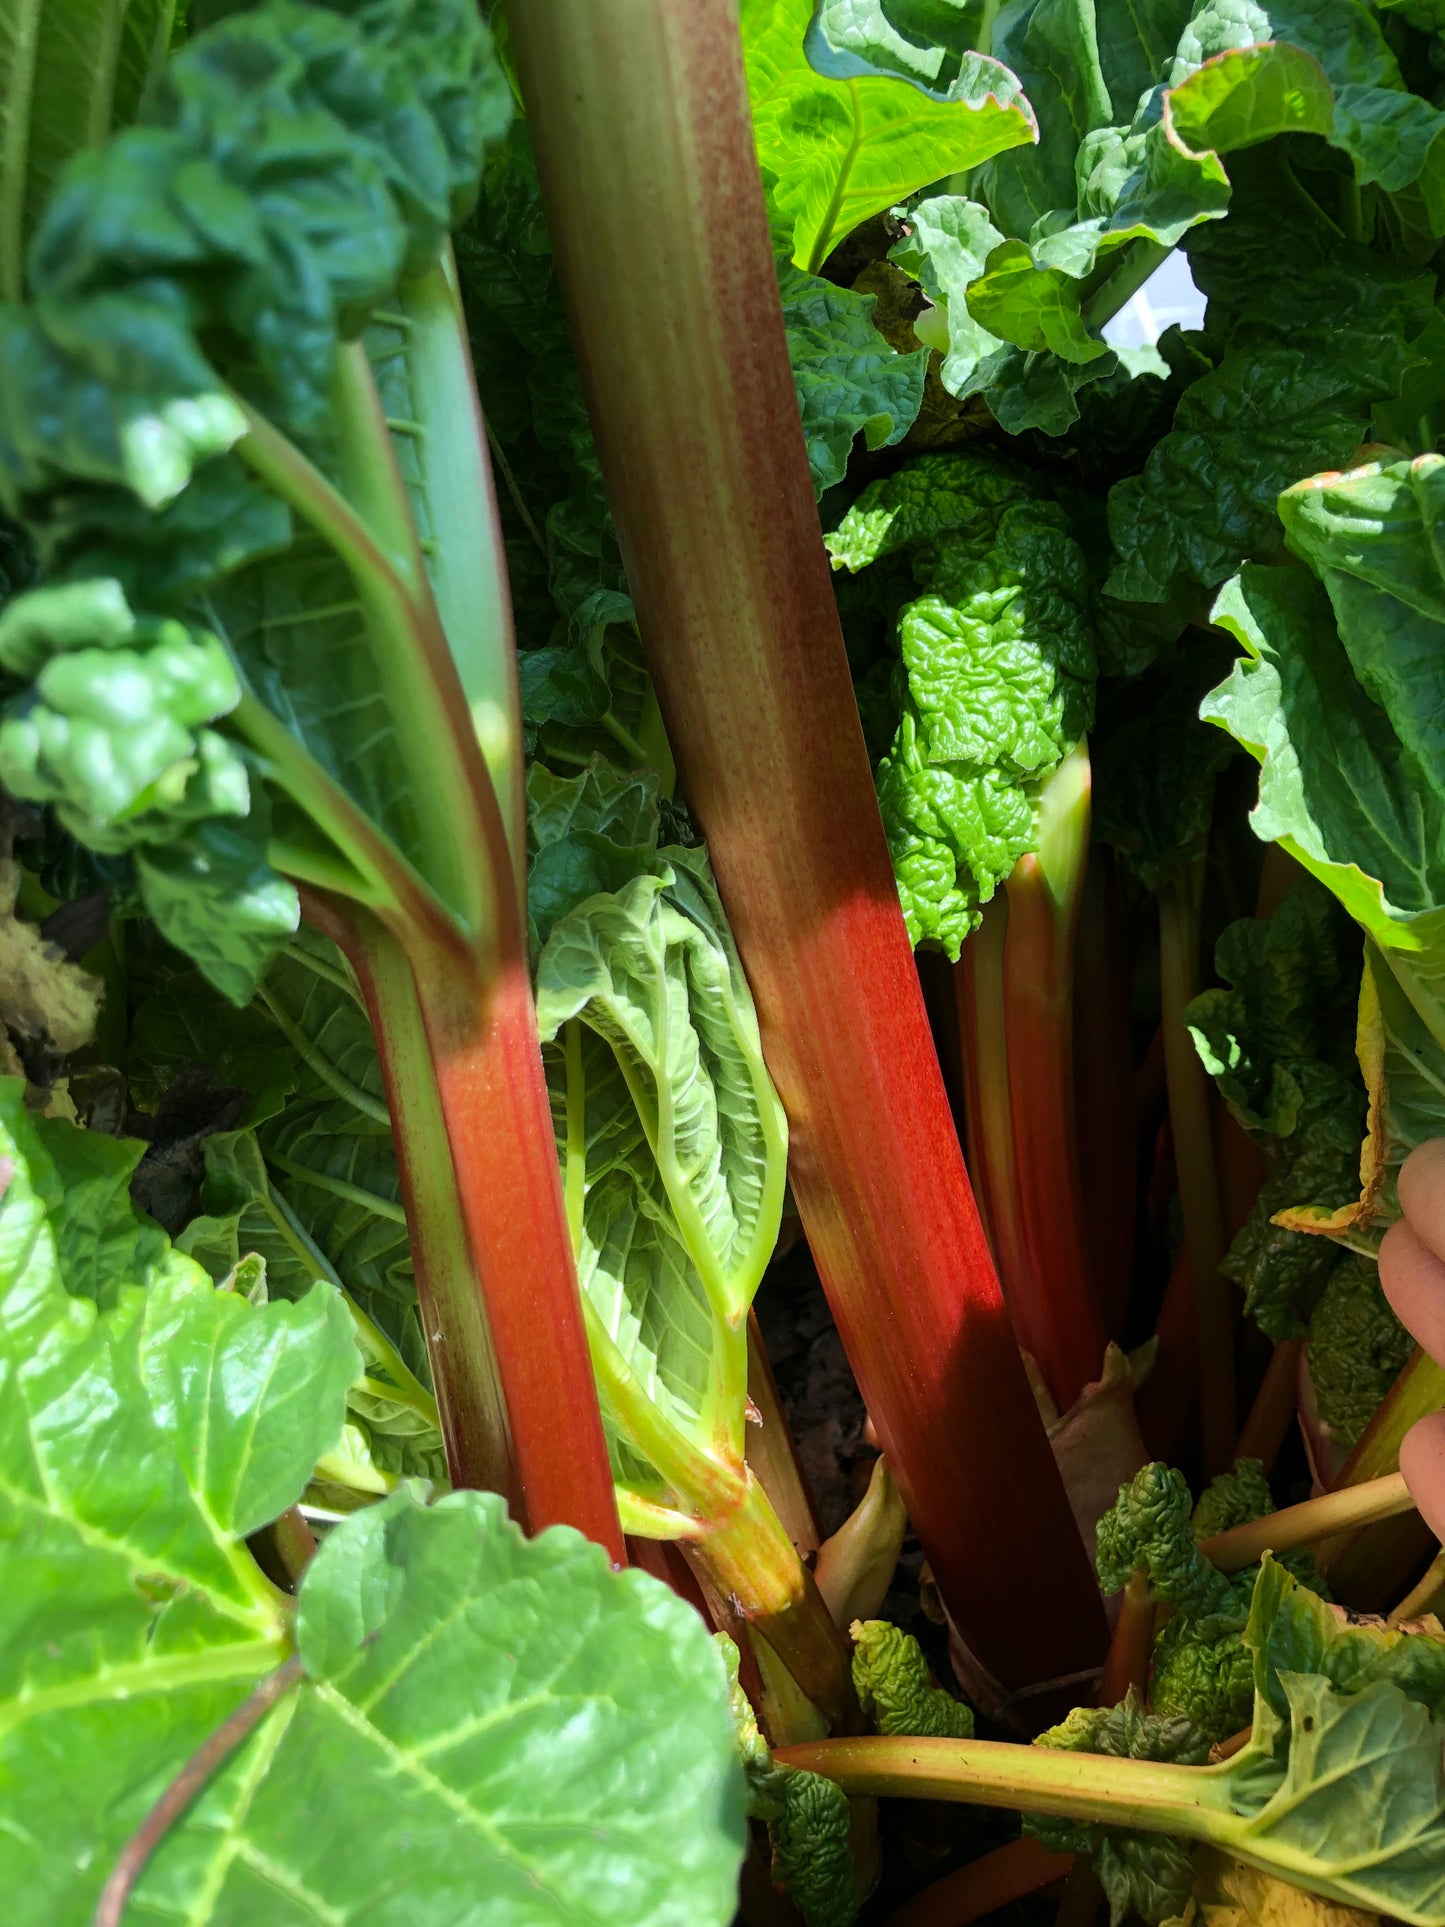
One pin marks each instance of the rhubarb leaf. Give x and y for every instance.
(997, 673)
(1316, 331)
(672, 1141)
(925, 41)
(849, 381)
(652, 969)
(1338, 788)
(128, 1632)
(1283, 1273)
(68, 75)
(1144, 1873)
(177, 269)
(895, 1688)
(648, 1309)
(838, 151)
(558, 1739)
(1357, 1349)
(1292, 989)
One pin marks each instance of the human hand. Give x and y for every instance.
(1412, 1275)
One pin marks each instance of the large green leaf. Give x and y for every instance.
(478, 1713)
(68, 74)
(648, 1309)
(838, 151)
(555, 1745)
(925, 41)
(672, 1141)
(141, 1443)
(1339, 788)
(946, 249)
(1340, 1789)
(1291, 986)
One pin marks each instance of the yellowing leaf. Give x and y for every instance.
(1229, 1894)
(42, 994)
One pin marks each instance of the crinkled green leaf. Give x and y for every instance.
(1038, 311)
(838, 151)
(672, 1141)
(645, 1297)
(1282, 1271)
(996, 677)
(129, 1631)
(1293, 987)
(1388, 132)
(1150, 1529)
(1356, 1351)
(1083, 65)
(849, 381)
(946, 249)
(812, 1855)
(298, 165)
(1131, 152)
(896, 1690)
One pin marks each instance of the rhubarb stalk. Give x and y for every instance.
(639, 120)
(1055, 1306)
(1369, 1567)
(1192, 1126)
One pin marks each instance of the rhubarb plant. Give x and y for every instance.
(545, 552)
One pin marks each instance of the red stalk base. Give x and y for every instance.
(488, 1068)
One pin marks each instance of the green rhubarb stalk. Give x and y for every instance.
(639, 120)
(1369, 1567)
(1308, 1523)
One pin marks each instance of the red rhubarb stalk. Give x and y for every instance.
(1275, 1405)
(639, 118)
(983, 1054)
(1104, 1106)
(1199, 1198)
(442, 955)
(980, 1889)
(1054, 1305)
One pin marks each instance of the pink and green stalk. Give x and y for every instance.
(639, 120)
